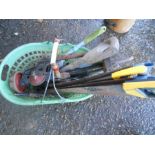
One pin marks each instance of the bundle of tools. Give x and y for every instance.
(84, 74)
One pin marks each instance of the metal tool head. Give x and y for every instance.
(36, 80)
(15, 83)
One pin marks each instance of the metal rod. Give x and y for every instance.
(47, 85)
(100, 83)
(86, 79)
(70, 56)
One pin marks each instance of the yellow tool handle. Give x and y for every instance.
(130, 71)
(132, 88)
(135, 85)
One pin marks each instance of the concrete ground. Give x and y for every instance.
(97, 115)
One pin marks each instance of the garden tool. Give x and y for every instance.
(128, 72)
(86, 71)
(143, 88)
(39, 73)
(104, 50)
(136, 81)
(87, 39)
(15, 83)
(53, 64)
(70, 56)
(34, 76)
